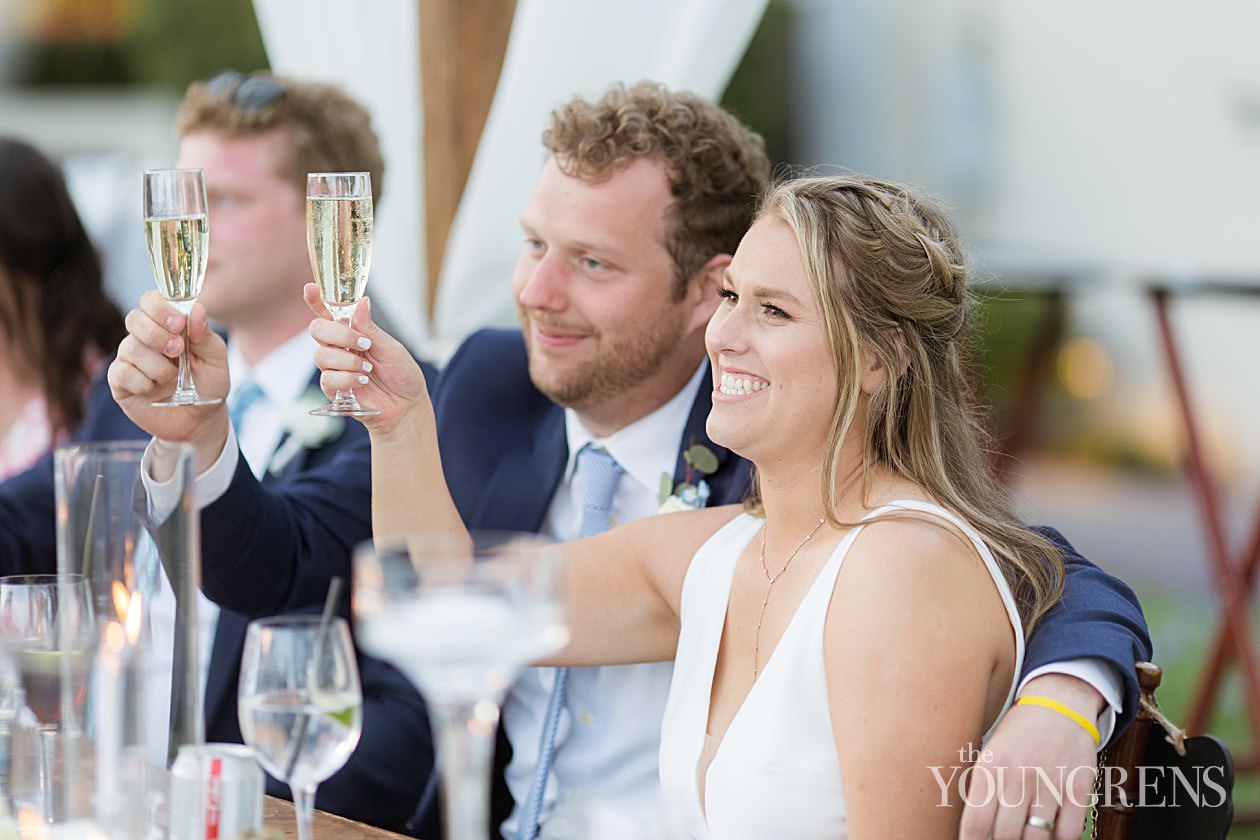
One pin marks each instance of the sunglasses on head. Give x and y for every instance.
(250, 94)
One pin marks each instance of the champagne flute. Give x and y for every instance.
(460, 616)
(299, 701)
(46, 624)
(339, 237)
(177, 227)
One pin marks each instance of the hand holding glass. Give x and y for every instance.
(300, 703)
(339, 237)
(176, 227)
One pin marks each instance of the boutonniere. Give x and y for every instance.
(692, 493)
(306, 430)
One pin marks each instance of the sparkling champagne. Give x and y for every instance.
(339, 236)
(177, 252)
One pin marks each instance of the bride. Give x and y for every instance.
(860, 620)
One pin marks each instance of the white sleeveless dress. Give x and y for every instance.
(775, 773)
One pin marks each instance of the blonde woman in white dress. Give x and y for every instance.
(861, 618)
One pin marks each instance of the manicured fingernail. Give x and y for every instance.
(365, 344)
(363, 380)
(367, 367)
(172, 322)
(172, 346)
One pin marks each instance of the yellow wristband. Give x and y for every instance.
(1069, 713)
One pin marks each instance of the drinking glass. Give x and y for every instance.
(46, 625)
(460, 616)
(176, 228)
(137, 544)
(339, 238)
(300, 704)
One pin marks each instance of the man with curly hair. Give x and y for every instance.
(639, 206)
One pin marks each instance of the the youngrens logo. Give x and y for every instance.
(1157, 786)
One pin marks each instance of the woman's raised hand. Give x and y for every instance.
(382, 371)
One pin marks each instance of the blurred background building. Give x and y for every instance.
(1089, 150)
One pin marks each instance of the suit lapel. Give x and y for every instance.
(729, 484)
(298, 461)
(517, 494)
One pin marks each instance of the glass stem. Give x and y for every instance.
(465, 751)
(344, 399)
(184, 380)
(304, 807)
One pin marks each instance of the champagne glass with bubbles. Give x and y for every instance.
(339, 236)
(177, 230)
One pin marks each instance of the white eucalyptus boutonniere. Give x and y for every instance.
(306, 430)
(692, 493)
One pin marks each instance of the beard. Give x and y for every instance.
(618, 363)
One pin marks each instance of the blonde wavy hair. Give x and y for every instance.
(890, 278)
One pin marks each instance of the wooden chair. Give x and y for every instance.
(1154, 783)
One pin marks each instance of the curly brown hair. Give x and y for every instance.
(54, 312)
(326, 129)
(717, 166)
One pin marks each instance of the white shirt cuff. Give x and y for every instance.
(207, 487)
(1100, 676)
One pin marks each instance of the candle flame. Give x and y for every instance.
(31, 825)
(133, 618)
(122, 599)
(114, 638)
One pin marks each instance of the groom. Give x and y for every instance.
(642, 200)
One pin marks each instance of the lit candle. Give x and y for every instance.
(107, 711)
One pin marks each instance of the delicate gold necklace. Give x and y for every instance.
(773, 579)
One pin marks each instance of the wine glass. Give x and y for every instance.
(46, 625)
(299, 702)
(339, 237)
(460, 616)
(176, 228)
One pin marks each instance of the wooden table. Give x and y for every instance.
(278, 816)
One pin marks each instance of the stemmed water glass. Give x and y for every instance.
(460, 616)
(46, 625)
(176, 228)
(339, 237)
(300, 703)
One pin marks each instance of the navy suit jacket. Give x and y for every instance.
(325, 494)
(504, 450)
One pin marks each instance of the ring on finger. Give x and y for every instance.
(1035, 821)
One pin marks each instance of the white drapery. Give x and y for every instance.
(557, 48)
(370, 49)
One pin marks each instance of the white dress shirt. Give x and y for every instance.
(283, 376)
(609, 737)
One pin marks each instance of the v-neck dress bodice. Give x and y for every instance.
(775, 772)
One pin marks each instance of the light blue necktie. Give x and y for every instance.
(597, 476)
(245, 395)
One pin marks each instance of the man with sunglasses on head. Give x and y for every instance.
(256, 137)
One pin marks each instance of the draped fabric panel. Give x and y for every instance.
(371, 50)
(557, 48)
